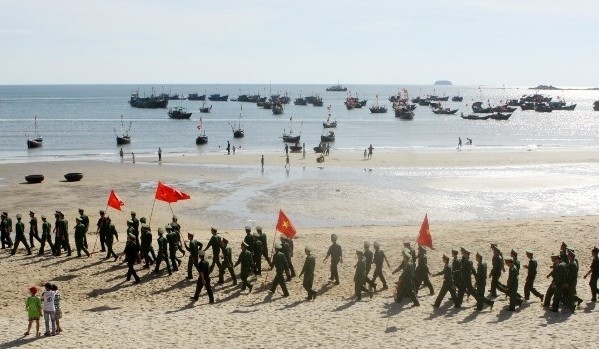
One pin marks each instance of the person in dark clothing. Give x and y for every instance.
(131, 253)
(422, 272)
(378, 259)
(214, 242)
(203, 278)
(336, 257)
(496, 269)
(529, 286)
(594, 271)
(448, 285)
(227, 263)
(33, 233)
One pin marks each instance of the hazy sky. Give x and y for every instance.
(470, 42)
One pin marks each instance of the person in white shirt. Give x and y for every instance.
(49, 309)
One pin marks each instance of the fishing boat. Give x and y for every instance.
(328, 123)
(204, 108)
(196, 97)
(151, 102)
(336, 88)
(402, 107)
(329, 137)
(236, 128)
(201, 138)
(457, 98)
(376, 108)
(543, 108)
(500, 116)
(300, 101)
(277, 109)
(178, 113)
(404, 113)
(289, 137)
(444, 111)
(218, 98)
(123, 136)
(320, 148)
(36, 141)
(596, 106)
(296, 148)
(474, 117)
(477, 107)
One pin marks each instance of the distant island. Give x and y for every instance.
(443, 82)
(553, 88)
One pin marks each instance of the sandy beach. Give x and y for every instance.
(338, 196)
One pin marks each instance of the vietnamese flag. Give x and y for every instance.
(169, 194)
(284, 226)
(114, 201)
(425, 238)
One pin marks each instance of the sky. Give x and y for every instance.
(469, 42)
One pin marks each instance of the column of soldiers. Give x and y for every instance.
(457, 275)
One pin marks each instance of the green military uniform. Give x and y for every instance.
(5, 229)
(279, 262)
(560, 274)
(308, 272)
(496, 269)
(257, 254)
(227, 263)
(448, 285)
(176, 227)
(173, 244)
(571, 298)
(80, 238)
(162, 252)
(103, 230)
(368, 257)
(85, 222)
(405, 286)
(512, 285)
(135, 225)
(33, 232)
(215, 243)
(264, 240)
(193, 260)
(466, 272)
(378, 259)
(20, 236)
(110, 236)
(145, 247)
(203, 278)
(530, 278)
(249, 239)
(360, 276)
(58, 245)
(336, 255)
(480, 277)
(422, 272)
(455, 267)
(247, 264)
(46, 238)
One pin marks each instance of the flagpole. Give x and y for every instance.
(274, 238)
(96, 240)
(152, 212)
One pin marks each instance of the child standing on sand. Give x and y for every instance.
(49, 309)
(33, 305)
(58, 310)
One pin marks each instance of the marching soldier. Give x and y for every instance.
(172, 236)
(378, 259)
(336, 255)
(257, 254)
(214, 242)
(203, 278)
(422, 271)
(146, 245)
(480, 276)
(368, 258)
(5, 230)
(247, 264)
(46, 238)
(33, 233)
(530, 277)
(360, 276)
(58, 244)
(85, 222)
(131, 252)
(405, 285)
(162, 252)
(227, 263)
(111, 234)
(20, 236)
(455, 267)
(308, 272)
(496, 269)
(512, 284)
(466, 271)
(448, 285)
(248, 239)
(279, 262)
(176, 227)
(103, 230)
(407, 245)
(131, 230)
(560, 273)
(193, 260)
(594, 271)
(286, 249)
(570, 294)
(264, 239)
(79, 237)
(135, 225)
(64, 230)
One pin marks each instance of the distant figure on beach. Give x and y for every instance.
(365, 153)
(370, 148)
(159, 154)
(233, 150)
(121, 154)
(262, 161)
(133, 157)
(459, 143)
(328, 149)
(286, 149)
(228, 148)
(303, 151)
(287, 166)
(468, 141)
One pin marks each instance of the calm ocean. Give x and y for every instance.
(78, 121)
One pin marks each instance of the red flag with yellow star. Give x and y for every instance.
(284, 226)
(425, 238)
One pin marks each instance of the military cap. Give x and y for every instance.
(377, 244)
(168, 226)
(259, 228)
(129, 221)
(366, 244)
(248, 228)
(309, 248)
(175, 218)
(454, 251)
(465, 250)
(530, 252)
(160, 230)
(19, 216)
(190, 234)
(133, 213)
(508, 259)
(43, 216)
(201, 253)
(78, 219)
(278, 246)
(142, 220)
(131, 235)
(80, 210)
(493, 245)
(102, 211)
(478, 254)
(58, 212)
(225, 241)
(513, 252)
(595, 249)
(334, 237)
(445, 256)
(31, 212)
(406, 243)
(213, 230)
(4, 213)
(571, 251)
(360, 252)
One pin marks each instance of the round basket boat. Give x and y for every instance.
(73, 176)
(36, 178)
